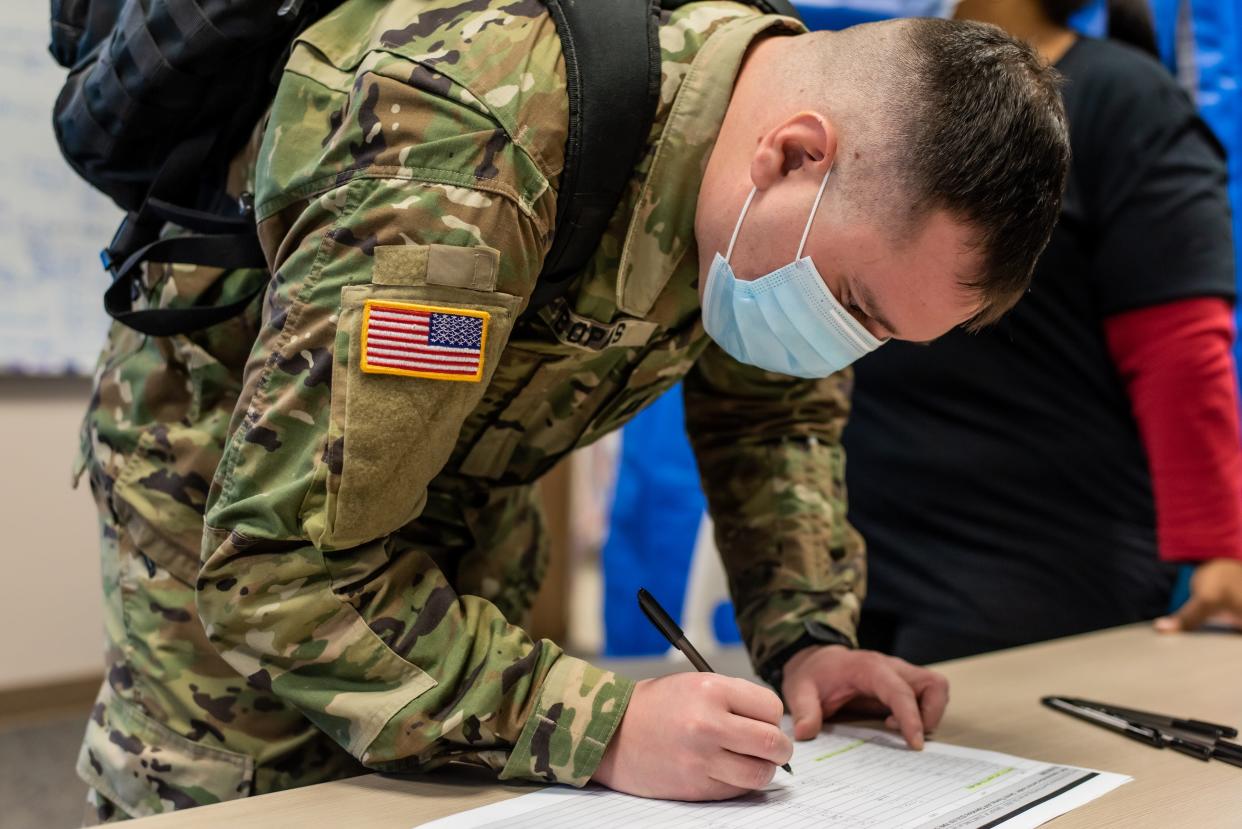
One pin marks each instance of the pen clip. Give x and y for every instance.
(1212, 731)
(1193, 748)
(1133, 730)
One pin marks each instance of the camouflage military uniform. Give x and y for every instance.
(373, 541)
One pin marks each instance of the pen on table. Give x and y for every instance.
(670, 631)
(1207, 729)
(1195, 748)
(1195, 738)
(1227, 752)
(1203, 747)
(1142, 733)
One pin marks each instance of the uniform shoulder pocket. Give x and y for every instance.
(412, 357)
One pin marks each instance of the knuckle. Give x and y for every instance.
(772, 740)
(707, 684)
(760, 774)
(774, 705)
(701, 727)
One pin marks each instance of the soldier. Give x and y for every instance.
(363, 443)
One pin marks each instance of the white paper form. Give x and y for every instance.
(847, 777)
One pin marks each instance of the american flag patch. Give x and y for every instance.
(423, 341)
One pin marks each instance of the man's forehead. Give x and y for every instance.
(923, 287)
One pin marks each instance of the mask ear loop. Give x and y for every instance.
(809, 219)
(737, 227)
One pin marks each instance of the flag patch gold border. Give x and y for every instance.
(380, 304)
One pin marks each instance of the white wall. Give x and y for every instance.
(50, 605)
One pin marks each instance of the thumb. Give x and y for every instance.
(805, 708)
(1189, 617)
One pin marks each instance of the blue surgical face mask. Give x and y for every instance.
(785, 321)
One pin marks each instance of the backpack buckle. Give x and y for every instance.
(130, 235)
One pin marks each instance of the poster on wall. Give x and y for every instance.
(52, 225)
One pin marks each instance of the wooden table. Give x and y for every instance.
(995, 706)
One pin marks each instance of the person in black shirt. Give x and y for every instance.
(1004, 480)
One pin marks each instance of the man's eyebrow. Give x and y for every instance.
(869, 306)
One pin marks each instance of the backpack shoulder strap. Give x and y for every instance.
(612, 76)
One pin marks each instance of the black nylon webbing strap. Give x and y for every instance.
(218, 251)
(612, 74)
(218, 241)
(612, 77)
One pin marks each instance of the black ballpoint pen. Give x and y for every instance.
(670, 631)
(1227, 752)
(1203, 747)
(1207, 729)
(1196, 738)
(1226, 746)
(1142, 733)
(1189, 746)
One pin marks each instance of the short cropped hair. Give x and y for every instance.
(986, 140)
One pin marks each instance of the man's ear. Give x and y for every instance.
(805, 140)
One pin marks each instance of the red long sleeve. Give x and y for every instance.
(1178, 368)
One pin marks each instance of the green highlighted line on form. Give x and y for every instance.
(990, 778)
(841, 750)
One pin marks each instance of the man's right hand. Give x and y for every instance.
(695, 736)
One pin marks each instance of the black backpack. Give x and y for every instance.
(161, 94)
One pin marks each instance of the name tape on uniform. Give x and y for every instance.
(576, 330)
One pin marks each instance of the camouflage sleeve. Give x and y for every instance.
(310, 584)
(773, 469)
